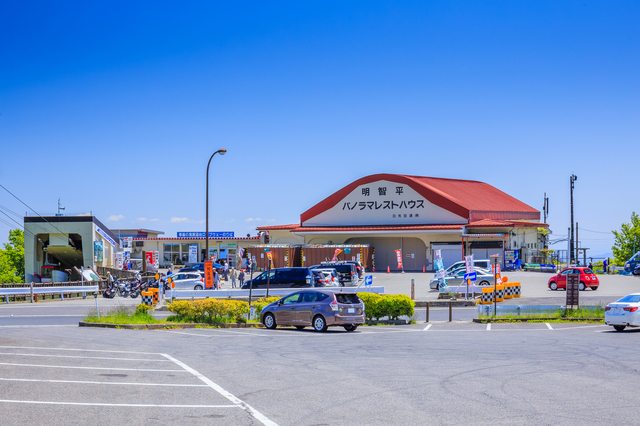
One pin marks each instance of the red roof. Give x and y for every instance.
(277, 227)
(492, 223)
(467, 198)
(375, 228)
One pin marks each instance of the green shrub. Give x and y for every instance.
(259, 304)
(391, 306)
(209, 310)
(143, 309)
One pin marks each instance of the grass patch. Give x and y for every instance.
(122, 315)
(587, 313)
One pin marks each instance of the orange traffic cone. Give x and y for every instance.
(424, 268)
(388, 270)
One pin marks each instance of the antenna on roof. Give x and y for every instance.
(59, 208)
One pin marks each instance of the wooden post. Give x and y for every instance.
(450, 311)
(427, 312)
(31, 292)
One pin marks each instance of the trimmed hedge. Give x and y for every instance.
(215, 310)
(392, 306)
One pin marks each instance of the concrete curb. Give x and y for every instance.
(444, 303)
(167, 326)
(487, 320)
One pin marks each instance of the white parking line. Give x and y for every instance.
(37, 316)
(246, 407)
(78, 350)
(104, 383)
(427, 327)
(549, 326)
(37, 326)
(100, 404)
(86, 357)
(91, 368)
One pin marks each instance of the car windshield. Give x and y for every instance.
(347, 298)
(632, 298)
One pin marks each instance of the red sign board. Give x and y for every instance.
(208, 274)
(399, 256)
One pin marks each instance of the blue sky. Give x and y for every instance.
(116, 107)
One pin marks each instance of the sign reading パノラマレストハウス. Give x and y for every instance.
(384, 203)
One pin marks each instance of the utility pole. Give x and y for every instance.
(545, 207)
(572, 180)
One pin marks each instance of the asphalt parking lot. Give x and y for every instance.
(437, 373)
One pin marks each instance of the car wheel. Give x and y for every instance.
(594, 288)
(553, 286)
(270, 321)
(619, 327)
(319, 323)
(581, 286)
(198, 287)
(351, 327)
(484, 282)
(300, 327)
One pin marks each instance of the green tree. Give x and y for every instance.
(12, 258)
(626, 239)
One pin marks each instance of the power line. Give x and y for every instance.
(597, 232)
(16, 197)
(10, 225)
(11, 211)
(20, 216)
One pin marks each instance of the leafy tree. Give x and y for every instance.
(12, 258)
(626, 239)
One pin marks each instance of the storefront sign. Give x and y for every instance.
(149, 258)
(383, 203)
(98, 251)
(399, 257)
(106, 236)
(193, 253)
(204, 234)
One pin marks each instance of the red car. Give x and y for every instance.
(587, 278)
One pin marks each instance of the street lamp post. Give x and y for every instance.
(206, 236)
(572, 257)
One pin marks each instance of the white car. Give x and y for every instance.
(331, 276)
(454, 279)
(624, 312)
(188, 281)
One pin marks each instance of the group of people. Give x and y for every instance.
(236, 277)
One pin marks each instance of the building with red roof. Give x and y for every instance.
(418, 215)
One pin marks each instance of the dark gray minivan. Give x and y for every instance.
(283, 278)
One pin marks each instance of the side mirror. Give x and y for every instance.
(279, 302)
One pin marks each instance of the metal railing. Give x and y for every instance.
(261, 292)
(33, 290)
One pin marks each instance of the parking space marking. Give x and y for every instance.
(105, 404)
(78, 350)
(91, 368)
(549, 326)
(38, 326)
(488, 326)
(37, 316)
(86, 357)
(427, 327)
(104, 383)
(238, 402)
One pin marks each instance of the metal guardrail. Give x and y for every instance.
(33, 290)
(182, 294)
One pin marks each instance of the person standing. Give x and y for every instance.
(233, 278)
(226, 271)
(216, 279)
(241, 278)
(605, 264)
